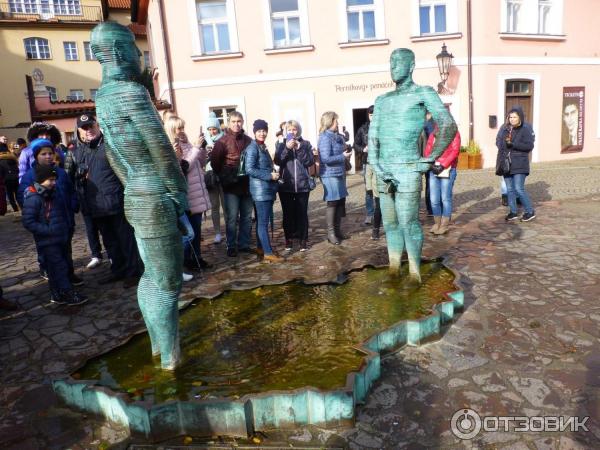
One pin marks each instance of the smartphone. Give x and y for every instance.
(201, 131)
(289, 137)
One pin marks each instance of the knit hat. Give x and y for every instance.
(260, 124)
(43, 172)
(38, 144)
(213, 122)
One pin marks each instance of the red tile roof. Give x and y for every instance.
(137, 29)
(119, 4)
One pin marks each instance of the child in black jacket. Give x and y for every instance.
(48, 221)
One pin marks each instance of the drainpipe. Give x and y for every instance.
(470, 68)
(166, 47)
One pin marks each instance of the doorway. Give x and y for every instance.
(359, 117)
(519, 93)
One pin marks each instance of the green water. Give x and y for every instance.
(274, 337)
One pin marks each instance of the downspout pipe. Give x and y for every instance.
(470, 68)
(166, 47)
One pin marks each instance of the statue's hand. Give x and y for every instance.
(180, 200)
(424, 166)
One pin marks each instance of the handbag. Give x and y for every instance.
(503, 165)
(444, 173)
(347, 165)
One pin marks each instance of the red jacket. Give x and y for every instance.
(449, 158)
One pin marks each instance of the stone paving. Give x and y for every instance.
(526, 344)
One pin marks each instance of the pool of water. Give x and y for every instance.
(274, 337)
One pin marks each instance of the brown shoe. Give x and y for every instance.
(273, 258)
(443, 228)
(436, 224)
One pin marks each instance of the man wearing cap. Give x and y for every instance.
(101, 198)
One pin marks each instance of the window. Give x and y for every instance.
(361, 19)
(214, 27)
(532, 16)
(71, 51)
(75, 94)
(222, 112)
(285, 23)
(93, 93)
(23, 6)
(432, 16)
(52, 92)
(67, 7)
(147, 59)
(37, 48)
(89, 56)
(46, 7)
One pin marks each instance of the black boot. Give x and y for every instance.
(339, 213)
(504, 200)
(330, 215)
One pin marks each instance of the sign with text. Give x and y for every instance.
(573, 119)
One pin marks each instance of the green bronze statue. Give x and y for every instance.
(396, 158)
(155, 189)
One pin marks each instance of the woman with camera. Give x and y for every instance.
(294, 157)
(191, 159)
(515, 141)
(263, 186)
(333, 157)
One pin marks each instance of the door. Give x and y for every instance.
(519, 93)
(359, 117)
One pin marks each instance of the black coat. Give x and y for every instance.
(99, 190)
(10, 167)
(361, 140)
(45, 217)
(293, 166)
(522, 138)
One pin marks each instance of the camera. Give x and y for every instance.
(81, 172)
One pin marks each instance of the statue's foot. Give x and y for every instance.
(415, 277)
(171, 363)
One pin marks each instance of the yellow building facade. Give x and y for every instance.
(52, 36)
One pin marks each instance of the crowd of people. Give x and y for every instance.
(226, 170)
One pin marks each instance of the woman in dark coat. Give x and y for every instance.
(294, 156)
(515, 142)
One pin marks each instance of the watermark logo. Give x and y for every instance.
(466, 423)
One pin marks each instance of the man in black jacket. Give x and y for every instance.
(361, 148)
(101, 198)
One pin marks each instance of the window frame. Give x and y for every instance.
(301, 13)
(147, 59)
(452, 21)
(379, 13)
(93, 93)
(55, 7)
(530, 9)
(52, 91)
(194, 23)
(87, 51)
(68, 53)
(36, 40)
(76, 99)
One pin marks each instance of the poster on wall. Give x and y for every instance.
(573, 118)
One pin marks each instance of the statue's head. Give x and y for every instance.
(114, 44)
(402, 64)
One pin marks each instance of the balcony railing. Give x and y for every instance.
(48, 12)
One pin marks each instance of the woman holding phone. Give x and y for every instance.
(294, 156)
(332, 170)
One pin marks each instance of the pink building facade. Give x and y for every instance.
(295, 59)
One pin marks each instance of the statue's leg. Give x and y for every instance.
(393, 233)
(158, 293)
(407, 210)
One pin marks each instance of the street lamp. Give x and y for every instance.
(444, 60)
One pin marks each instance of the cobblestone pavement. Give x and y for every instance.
(526, 344)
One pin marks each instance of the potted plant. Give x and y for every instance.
(474, 152)
(463, 158)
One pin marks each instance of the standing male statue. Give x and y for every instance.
(155, 189)
(395, 157)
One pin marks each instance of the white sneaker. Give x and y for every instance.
(217, 238)
(187, 276)
(94, 262)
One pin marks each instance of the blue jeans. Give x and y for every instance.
(440, 193)
(369, 204)
(189, 236)
(515, 186)
(238, 205)
(263, 214)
